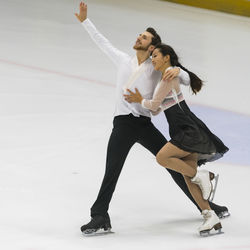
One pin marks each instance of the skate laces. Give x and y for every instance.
(206, 214)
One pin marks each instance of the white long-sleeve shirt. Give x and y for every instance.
(145, 80)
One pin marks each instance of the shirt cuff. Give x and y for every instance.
(143, 103)
(184, 76)
(85, 22)
(181, 71)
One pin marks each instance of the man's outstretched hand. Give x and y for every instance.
(82, 12)
(171, 74)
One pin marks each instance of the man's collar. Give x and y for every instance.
(135, 61)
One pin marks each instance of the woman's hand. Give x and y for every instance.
(133, 97)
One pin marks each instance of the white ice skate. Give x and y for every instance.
(211, 221)
(203, 180)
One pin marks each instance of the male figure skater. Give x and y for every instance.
(131, 122)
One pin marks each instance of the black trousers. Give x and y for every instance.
(126, 132)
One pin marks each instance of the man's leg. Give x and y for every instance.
(152, 139)
(121, 140)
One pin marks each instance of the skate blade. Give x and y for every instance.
(212, 194)
(224, 214)
(210, 232)
(94, 232)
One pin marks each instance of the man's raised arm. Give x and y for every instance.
(103, 43)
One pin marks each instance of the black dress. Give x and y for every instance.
(190, 134)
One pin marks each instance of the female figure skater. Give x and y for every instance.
(191, 140)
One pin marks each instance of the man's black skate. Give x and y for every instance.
(221, 211)
(98, 225)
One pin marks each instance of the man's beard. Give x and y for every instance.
(140, 47)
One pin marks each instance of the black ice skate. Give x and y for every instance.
(222, 212)
(98, 225)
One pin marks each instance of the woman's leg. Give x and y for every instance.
(171, 156)
(194, 189)
(185, 163)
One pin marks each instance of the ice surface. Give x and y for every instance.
(56, 108)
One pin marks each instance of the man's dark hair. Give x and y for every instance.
(156, 38)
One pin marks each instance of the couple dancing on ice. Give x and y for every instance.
(147, 84)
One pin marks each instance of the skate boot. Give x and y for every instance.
(211, 221)
(98, 225)
(203, 180)
(221, 211)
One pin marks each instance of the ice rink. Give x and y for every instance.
(56, 109)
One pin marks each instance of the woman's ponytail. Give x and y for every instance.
(195, 82)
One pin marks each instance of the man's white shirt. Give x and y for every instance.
(130, 74)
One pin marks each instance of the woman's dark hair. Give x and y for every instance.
(156, 38)
(195, 82)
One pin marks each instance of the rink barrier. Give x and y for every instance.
(237, 7)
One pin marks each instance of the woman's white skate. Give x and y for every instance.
(211, 221)
(203, 179)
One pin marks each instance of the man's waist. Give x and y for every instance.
(130, 116)
(123, 108)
